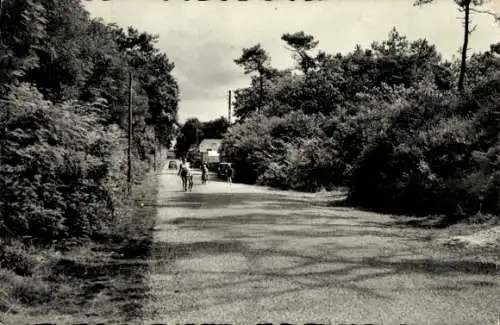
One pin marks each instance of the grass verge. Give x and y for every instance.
(100, 281)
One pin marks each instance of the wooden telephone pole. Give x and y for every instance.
(154, 149)
(229, 108)
(1, 12)
(129, 170)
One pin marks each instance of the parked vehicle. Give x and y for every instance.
(221, 170)
(213, 166)
(172, 164)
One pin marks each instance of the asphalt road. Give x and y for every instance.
(248, 255)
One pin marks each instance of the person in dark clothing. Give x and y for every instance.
(204, 173)
(184, 174)
(229, 174)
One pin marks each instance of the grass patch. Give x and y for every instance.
(102, 278)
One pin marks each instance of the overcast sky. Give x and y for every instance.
(203, 38)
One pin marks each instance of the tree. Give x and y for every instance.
(255, 59)
(465, 7)
(398, 60)
(483, 66)
(154, 71)
(193, 132)
(300, 43)
(22, 33)
(215, 129)
(190, 134)
(247, 99)
(64, 90)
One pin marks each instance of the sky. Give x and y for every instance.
(203, 38)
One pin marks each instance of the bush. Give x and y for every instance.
(263, 150)
(427, 162)
(384, 121)
(59, 176)
(17, 260)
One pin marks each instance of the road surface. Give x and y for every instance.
(249, 255)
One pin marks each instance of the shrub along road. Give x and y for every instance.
(244, 254)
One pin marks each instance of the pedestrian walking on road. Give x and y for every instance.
(190, 181)
(204, 173)
(229, 174)
(185, 174)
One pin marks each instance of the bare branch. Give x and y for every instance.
(473, 29)
(290, 48)
(488, 12)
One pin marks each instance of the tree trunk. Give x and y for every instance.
(463, 65)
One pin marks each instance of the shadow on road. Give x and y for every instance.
(314, 247)
(269, 201)
(301, 277)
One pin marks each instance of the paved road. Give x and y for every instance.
(247, 255)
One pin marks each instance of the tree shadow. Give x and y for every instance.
(328, 269)
(323, 266)
(222, 200)
(403, 219)
(428, 222)
(340, 272)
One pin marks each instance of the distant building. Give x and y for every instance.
(209, 149)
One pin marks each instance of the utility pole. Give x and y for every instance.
(154, 149)
(1, 12)
(129, 171)
(261, 92)
(229, 108)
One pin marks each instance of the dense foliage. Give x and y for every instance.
(64, 111)
(386, 121)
